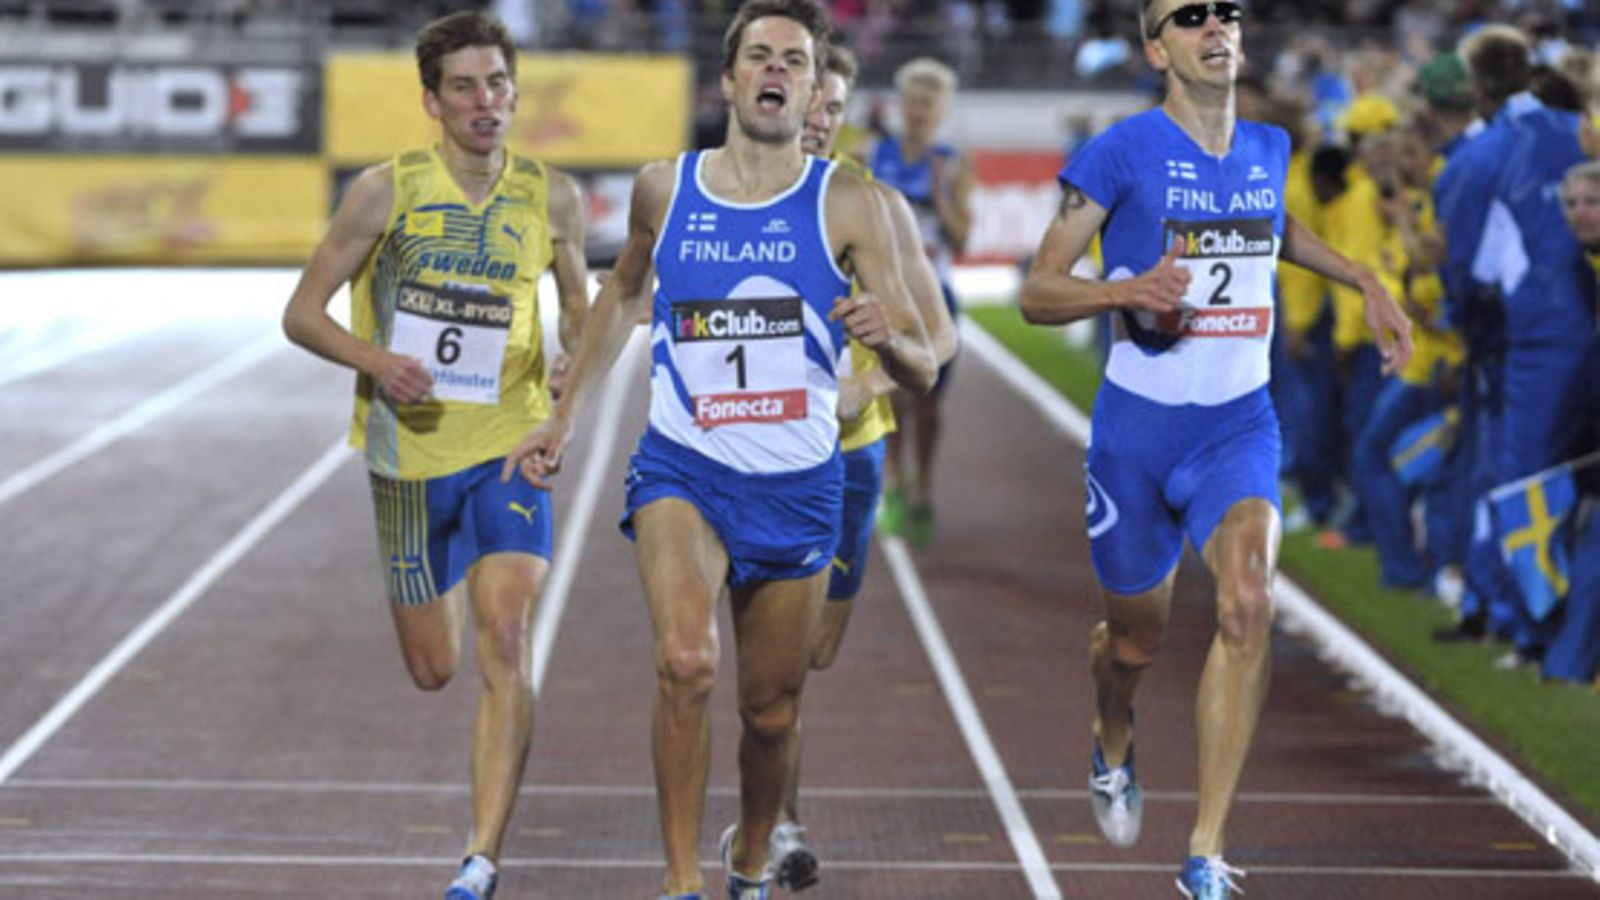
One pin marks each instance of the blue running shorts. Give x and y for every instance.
(431, 531)
(1158, 471)
(775, 527)
(863, 482)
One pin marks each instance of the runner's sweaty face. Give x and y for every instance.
(772, 80)
(475, 100)
(826, 115)
(1208, 53)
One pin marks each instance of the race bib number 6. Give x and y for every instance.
(742, 360)
(459, 334)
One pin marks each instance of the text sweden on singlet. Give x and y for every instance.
(459, 333)
(730, 381)
(1231, 262)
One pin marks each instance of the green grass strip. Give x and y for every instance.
(1554, 728)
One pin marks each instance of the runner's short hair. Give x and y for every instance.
(810, 14)
(1588, 170)
(1499, 60)
(925, 71)
(458, 31)
(842, 62)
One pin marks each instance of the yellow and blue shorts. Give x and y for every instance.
(431, 531)
(863, 482)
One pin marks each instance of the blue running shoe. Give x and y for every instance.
(1208, 878)
(1114, 793)
(740, 887)
(476, 880)
(680, 897)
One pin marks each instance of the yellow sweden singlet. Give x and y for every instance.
(877, 419)
(455, 284)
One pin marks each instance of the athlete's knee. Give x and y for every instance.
(770, 716)
(1134, 652)
(687, 670)
(1245, 613)
(503, 645)
(830, 634)
(825, 652)
(430, 671)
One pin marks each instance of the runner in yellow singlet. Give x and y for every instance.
(866, 415)
(444, 247)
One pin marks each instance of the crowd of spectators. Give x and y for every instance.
(1461, 180)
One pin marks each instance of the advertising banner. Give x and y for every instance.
(158, 107)
(160, 210)
(574, 111)
(1015, 196)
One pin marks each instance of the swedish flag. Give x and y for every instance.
(1420, 450)
(1529, 517)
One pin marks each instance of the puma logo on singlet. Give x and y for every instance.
(522, 511)
(515, 235)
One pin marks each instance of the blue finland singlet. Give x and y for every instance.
(915, 180)
(1158, 184)
(744, 358)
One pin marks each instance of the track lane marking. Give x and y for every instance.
(138, 417)
(1024, 841)
(574, 534)
(868, 865)
(175, 605)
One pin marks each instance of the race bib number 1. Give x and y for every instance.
(742, 360)
(459, 334)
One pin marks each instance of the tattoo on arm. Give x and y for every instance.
(1071, 198)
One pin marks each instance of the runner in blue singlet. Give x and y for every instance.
(1188, 203)
(736, 482)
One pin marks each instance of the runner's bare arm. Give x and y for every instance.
(881, 316)
(358, 224)
(1386, 320)
(916, 271)
(952, 200)
(568, 228)
(1052, 295)
(616, 310)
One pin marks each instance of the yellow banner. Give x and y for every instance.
(577, 111)
(60, 210)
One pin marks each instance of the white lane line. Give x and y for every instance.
(1343, 648)
(136, 418)
(1026, 844)
(174, 606)
(575, 531)
(1288, 798)
(872, 865)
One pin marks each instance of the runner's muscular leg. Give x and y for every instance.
(1121, 647)
(504, 588)
(430, 636)
(1242, 554)
(683, 566)
(830, 632)
(774, 626)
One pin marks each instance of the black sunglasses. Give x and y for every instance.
(1194, 15)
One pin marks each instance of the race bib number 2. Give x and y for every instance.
(743, 360)
(1231, 263)
(459, 334)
